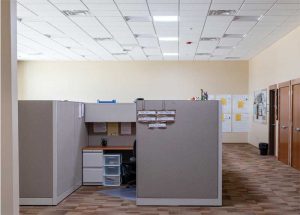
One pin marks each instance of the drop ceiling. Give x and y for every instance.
(151, 29)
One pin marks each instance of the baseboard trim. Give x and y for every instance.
(236, 143)
(65, 194)
(36, 201)
(178, 202)
(49, 201)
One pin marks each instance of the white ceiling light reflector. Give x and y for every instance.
(165, 18)
(168, 38)
(170, 54)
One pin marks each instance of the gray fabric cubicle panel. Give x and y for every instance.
(65, 146)
(71, 137)
(35, 149)
(180, 161)
(81, 140)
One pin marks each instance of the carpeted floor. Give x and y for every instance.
(252, 184)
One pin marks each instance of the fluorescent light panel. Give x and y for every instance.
(165, 18)
(168, 38)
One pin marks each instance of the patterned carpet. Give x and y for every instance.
(252, 184)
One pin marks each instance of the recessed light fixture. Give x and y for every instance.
(170, 54)
(165, 18)
(168, 38)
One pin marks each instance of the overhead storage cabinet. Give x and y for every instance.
(123, 112)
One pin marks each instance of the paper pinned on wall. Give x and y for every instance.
(225, 102)
(240, 103)
(126, 128)
(112, 129)
(240, 122)
(211, 97)
(99, 127)
(226, 122)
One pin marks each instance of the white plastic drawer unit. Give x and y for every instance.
(92, 175)
(112, 160)
(112, 170)
(93, 158)
(112, 181)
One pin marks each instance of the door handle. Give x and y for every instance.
(297, 129)
(284, 127)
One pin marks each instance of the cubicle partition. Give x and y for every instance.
(51, 135)
(179, 160)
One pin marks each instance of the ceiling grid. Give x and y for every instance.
(151, 29)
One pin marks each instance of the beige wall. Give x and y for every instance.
(125, 81)
(278, 63)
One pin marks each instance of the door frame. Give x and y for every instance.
(273, 126)
(293, 82)
(281, 85)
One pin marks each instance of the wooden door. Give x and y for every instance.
(295, 146)
(272, 119)
(284, 122)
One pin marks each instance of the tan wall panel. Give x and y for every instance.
(278, 63)
(125, 81)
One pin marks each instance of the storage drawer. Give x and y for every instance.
(112, 160)
(112, 170)
(93, 159)
(112, 180)
(94, 175)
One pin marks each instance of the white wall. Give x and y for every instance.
(125, 81)
(278, 63)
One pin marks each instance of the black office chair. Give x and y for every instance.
(129, 169)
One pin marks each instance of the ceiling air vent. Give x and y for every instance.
(100, 39)
(232, 58)
(209, 39)
(233, 35)
(144, 36)
(247, 18)
(203, 54)
(118, 54)
(76, 12)
(221, 12)
(137, 18)
(225, 47)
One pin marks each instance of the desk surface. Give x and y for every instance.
(111, 148)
